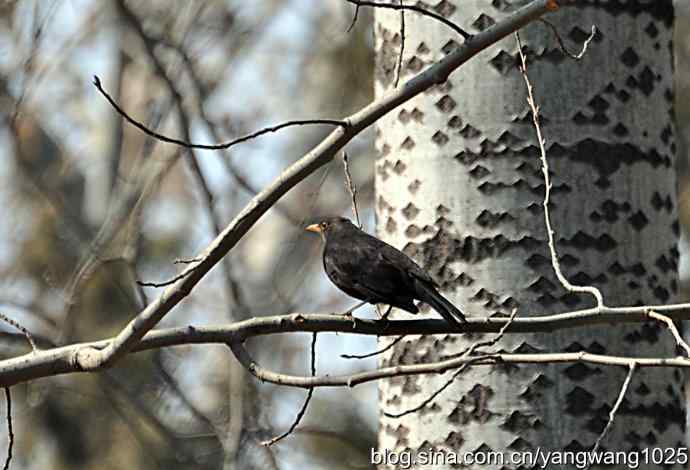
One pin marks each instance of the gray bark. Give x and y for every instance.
(459, 188)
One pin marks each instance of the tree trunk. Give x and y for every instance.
(459, 188)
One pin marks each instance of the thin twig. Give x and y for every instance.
(171, 140)
(10, 432)
(614, 410)
(186, 261)
(416, 8)
(547, 190)
(492, 341)
(351, 188)
(354, 19)
(402, 45)
(182, 275)
(375, 353)
(463, 367)
(310, 392)
(561, 44)
(24, 331)
(433, 396)
(672, 328)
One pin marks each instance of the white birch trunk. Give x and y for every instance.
(459, 187)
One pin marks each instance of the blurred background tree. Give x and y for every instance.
(214, 70)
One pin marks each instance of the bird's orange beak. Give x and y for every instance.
(316, 228)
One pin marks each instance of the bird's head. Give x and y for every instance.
(329, 225)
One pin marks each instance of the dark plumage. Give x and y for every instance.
(369, 269)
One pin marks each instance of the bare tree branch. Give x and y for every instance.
(439, 367)
(24, 331)
(351, 188)
(187, 144)
(612, 414)
(67, 359)
(183, 274)
(317, 157)
(467, 353)
(564, 49)
(375, 353)
(354, 19)
(547, 190)
(672, 328)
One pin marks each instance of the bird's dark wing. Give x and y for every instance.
(417, 281)
(392, 262)
(358, 270)
(403, 262)
(353, 268)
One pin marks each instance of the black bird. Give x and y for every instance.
(369, 269)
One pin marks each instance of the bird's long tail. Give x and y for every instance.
(439, 303)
